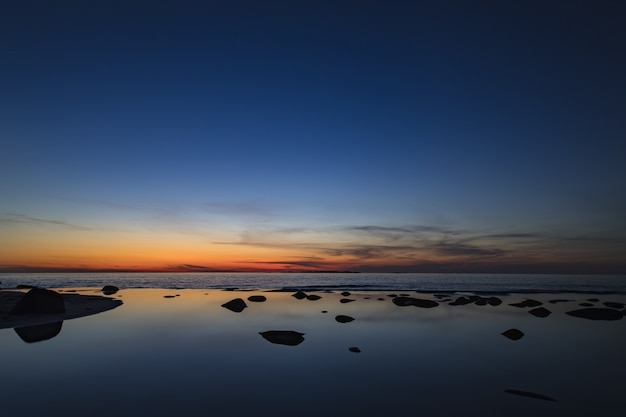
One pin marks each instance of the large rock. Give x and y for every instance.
(257, 298)
(513, 334)
(39, 332)
(283, 337)
(109, 289)
(40, 301)
(540, 312)
(597, 314)
(237, 305)
(299, 295)
(344, 319)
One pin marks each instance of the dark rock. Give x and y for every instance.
(419, 302)
(313, 297)
(560, 300)
(611, 304)
(494, 301)
(109, 289)
(346, 300)
(527, 303)
(392, 295)
(481, 302)
(237, 305)
(403, 301)
(597, 314)
(460, 301)
(593, 300)
(344, 319)
(169, 296)
(404, 295)
(540, 312)
(24, 286)
(40, 301)
(586, 305)
(345, 294)
(529, 394)
(283, 337)
(324, 311)
(257, 298)
(354, 349)
(513, 334)
(300, 295)
(40, 332)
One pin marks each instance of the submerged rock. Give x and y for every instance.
(40, 301)
(236, 305)
(597, 314)
(344, 319)
(354, 349)
(283, 337)
(513, 334)
(257, 298)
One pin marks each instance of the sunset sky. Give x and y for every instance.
(425, 136)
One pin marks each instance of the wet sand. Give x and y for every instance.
(197, 352)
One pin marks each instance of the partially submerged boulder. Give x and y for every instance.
(39, 332)
(257, 298)
(40, 301)
(344, 319)
(110, 289)
(283, 337)
(236, 305)
(540, 312)
(597, 314)
(513, 334)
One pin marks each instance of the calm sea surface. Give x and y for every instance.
(520, 283)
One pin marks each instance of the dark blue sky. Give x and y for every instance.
(337, 120)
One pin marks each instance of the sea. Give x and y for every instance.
(421, 282)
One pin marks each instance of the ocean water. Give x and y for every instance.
(486, 283)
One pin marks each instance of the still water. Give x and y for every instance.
(167, 352)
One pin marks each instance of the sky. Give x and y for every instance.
(374, 136)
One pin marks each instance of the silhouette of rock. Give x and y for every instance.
(540, 312)
(344, 319)
(354, 349)
(494, 301)
(236, 305)
(593, 300)
(481, 302)
(283, 337)
(597, 314)
(257, 298)
(460, 301)
(299, 295)
(527, 303)
(313, 297)
(529, 394)
(560, 300)
(346, 300)
(109, 289)
(169, 296)
(24, 286)
(513, 334)
(417, 302)
(40, 332)
(345, 294)
(40, 301)
(611, 304)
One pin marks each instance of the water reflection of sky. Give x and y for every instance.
(189, 356)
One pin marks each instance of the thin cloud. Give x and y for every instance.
(20, 218)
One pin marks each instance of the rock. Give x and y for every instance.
(283, 337)
(299, 295)
(109, 289)
(346, 300)
(597, 314)
(40, 332)
(529, 394)
(324, 311)
(586, 305)
(481, 302)
(527, 303)
(593, 300)
(24, 287)
(169, 296)
(40, 301)
(460, 301)
(560, 300)
(236, 305)
(257, 298)
(513, 334)
(354, 349)
(344, 319)
(418, 302)
(345, 294)
(540, 312)
(494, 301)
(313, 297)
(403, 301)
(611, 304)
